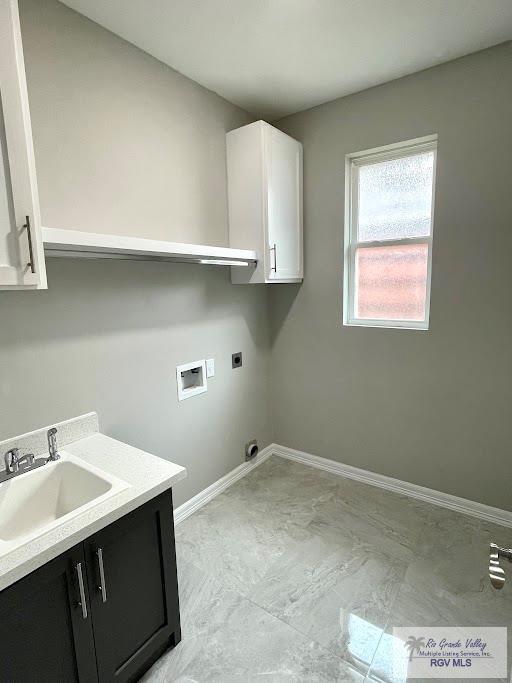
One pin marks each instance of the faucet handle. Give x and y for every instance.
(27, 460)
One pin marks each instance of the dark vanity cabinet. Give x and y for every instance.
(103, 611)
(43, 636)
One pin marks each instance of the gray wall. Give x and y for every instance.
(107, 336)
(124, 143)
(433, 408)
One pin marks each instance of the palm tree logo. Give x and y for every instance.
(414, 644)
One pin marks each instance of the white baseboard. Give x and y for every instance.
(203, 497)
(466, 507)
(462, 505)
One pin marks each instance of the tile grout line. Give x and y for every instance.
(293, 628)
(247, 598)
(386, 624)
(278, 621)
(231, 588)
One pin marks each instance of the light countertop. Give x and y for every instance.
(146, 474)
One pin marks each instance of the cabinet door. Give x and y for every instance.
(21, 249)
(44, 633)
(284, 221)
(131, 567)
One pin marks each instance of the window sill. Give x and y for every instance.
(422, 327)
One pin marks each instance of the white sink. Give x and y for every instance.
(35, 502)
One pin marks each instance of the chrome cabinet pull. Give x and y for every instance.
(30, 247)
(102, 586)
(81, 587)
(274, 249)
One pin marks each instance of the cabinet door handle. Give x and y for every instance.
(102, 586)
(82, 602)
(274, 249)
(30, 246)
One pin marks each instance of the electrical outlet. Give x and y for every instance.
(236, 360)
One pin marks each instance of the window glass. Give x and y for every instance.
(391, 282)
(395, 198)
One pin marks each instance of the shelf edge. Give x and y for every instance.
(75, 243)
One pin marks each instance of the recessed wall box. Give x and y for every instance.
(191, 379)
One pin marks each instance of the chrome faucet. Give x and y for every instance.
(18, 464)
(14, 462)
(53, 453)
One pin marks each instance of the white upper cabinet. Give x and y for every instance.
(21, 249)
(265, 202)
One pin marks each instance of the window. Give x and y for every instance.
(388, 235)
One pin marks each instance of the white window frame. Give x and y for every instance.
(352, 164)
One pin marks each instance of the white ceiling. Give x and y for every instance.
(275, 57)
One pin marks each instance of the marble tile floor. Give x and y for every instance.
(295, 574)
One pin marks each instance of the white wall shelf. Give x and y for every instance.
(76, 244)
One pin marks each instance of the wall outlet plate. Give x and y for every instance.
(210, 367)
(191, 379)
(236, 360)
